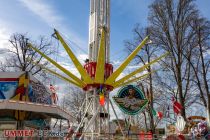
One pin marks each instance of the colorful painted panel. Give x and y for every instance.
(7, 89)
(23, 89)
(130, 100)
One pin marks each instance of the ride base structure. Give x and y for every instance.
(25, 103)
(98, 78)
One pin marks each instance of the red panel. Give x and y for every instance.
(145, 136)
(91, 70)
(9, 79)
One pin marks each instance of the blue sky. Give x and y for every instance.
(70, 17)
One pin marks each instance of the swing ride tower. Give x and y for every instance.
(97, 77)
(97, 95)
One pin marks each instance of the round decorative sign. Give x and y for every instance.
(130, 100)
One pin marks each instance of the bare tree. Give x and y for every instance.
(73, 100)
(21, 56)
(2, 67)
(146, 55)
(201, 62)
(170, 29)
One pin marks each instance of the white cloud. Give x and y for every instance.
(133, 67)
(4, 37)
(117, 62)
(52, 18)
(4, 44)
(70, 67)
(82, 58)
(49, 15)
(44, 11)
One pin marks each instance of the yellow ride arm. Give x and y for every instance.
(140, 69)
(76, 62)
(58, 75)
(133, 80)
(99, 77)
(59, 66)
(63, 77)
(115, 74)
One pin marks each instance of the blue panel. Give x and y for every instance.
(2, 95)
(7, 89)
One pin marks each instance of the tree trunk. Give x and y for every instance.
(152, 125)
(180, 92)
(204, 75)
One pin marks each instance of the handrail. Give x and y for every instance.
(5, 101)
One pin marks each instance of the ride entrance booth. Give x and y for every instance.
(25, 103)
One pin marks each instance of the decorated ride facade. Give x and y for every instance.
(25, 103)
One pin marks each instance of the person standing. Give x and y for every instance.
(53, 95)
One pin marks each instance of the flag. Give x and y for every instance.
(101, 96)
(160, 115)
(177, 107)
(101, 99)
(157, 114)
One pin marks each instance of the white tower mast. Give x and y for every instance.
(97, 116)
(95, 121)
(99, 18)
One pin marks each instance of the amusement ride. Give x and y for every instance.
(98, 77)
